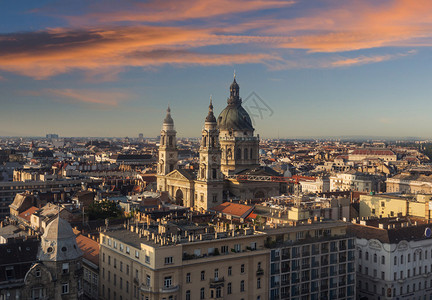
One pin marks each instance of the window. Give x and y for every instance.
(109, 260)
(401, 259)
(409, 257)
(65, 268)
(121, 283)
(115, 263)
(167, 281)
(188, 295)
(242, 268)
(242, 286)
(188, 278)
(395, 261)
(127, 269)
(121, 247)
(360, 254)
(202, 293)
(229, 288)
(224, 249)
(383, 260)
(258, 283)
(65, 288)
(218, 292)
(115, 279)
(367, 255)
(216, 274)
(37, 272)
(127, 286)
(382, 275)
(148, 280)
(136, 254)
(202, 275)
(37, 293)
(168, 260)
(237, 247)
(121, 266)
(394, 276)
(127, 249)
(375, 258)
(229, 271)
(103, 257)
(147, 259)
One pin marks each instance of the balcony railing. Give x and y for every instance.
(215, 282)
(260, 272)
(169, 289)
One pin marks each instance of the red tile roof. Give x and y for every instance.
(27, 213)
(233, 209)
(89, 247)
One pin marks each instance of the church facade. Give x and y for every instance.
(228, 147)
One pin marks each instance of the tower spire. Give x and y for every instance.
(210, 117)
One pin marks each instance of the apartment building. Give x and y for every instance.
(168, 262)
(312, 261)
(394, 259)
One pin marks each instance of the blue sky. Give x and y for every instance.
(323, 68)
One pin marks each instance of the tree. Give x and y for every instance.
(103, 210)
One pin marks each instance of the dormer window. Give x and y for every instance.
(65, 268)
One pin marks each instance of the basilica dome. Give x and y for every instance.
(234, 116)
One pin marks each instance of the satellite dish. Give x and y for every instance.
(427, 232)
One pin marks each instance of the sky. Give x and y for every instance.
(322, 68)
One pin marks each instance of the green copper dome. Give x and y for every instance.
(234, 116)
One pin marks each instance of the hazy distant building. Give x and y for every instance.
(52, 136)
(383, 154)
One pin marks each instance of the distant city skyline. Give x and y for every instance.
(321, 69)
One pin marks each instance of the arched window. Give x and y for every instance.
(204, 141)
(170, 140)
(238, 153)
(245, 153)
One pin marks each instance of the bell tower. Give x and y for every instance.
(209, 184)
(168, 154)
(210, 151)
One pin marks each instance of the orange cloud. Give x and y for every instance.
(361, 60)
(44, 54)
(93, 98)
(104, 51)
(174, 10)
(355, 25)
